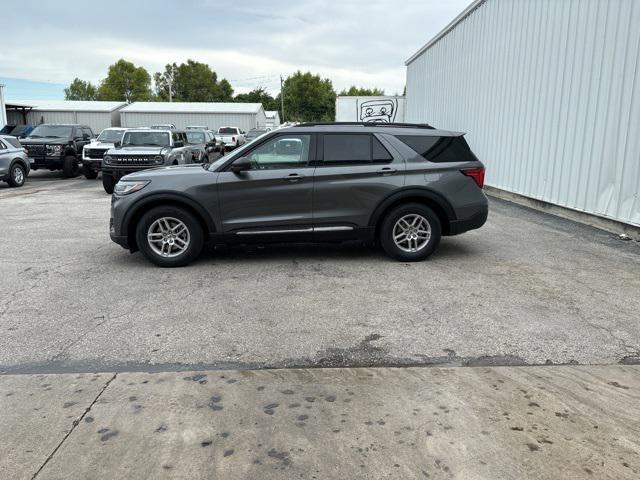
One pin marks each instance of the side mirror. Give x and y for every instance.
(117, 144)
(86, 136)
(241, 165)
(178, 143)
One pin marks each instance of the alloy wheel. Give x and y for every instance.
(168, 237)
(411, 233)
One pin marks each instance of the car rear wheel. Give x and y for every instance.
(70, 167)
(89, 172)
(410, 232)
(108, 182)
(169, 236)
(17, 175)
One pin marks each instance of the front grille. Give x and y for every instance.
(133, 160)
(35, 150)
(95, 153)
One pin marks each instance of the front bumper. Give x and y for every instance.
(118, 173)
(92, 163)
(45, 162)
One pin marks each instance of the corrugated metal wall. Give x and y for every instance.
(96, 120)
(548, 92)
(245, 121)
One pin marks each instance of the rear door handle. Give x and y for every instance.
(386, 171)
(293, 177)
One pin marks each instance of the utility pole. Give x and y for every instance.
(282, 96)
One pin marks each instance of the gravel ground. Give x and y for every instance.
(527, 288)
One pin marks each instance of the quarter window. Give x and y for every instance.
(288, 151)
(353, 149)
(439, 149)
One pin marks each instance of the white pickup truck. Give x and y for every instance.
(231, 137)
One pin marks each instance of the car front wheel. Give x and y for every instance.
(169, 236)
(89, 172)
(108, 183)
(17, 175)
(70, 167)
(410, 232)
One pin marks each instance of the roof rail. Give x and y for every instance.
(368, 124)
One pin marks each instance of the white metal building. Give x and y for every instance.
(273, 118)
(548, 92)
(3, 112)
(98, 115)
(214, 115)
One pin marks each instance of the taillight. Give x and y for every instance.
(476, 173)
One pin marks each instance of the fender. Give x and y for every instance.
(168, 197)
(412, 192)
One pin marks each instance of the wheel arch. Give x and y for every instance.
(134, 214)
(440, 205)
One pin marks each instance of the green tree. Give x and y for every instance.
(308, 98)
(191, 82)
(361, 92)
(258, 95)
(126, 82)
(80, 90)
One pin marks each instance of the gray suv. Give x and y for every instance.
(14, 163)
(401, 185)
(141, 149)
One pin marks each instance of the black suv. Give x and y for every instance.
(401, 185)
(57, 147)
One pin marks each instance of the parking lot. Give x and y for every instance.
(527, 288)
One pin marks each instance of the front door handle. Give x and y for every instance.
(293, 177)
(386, 171)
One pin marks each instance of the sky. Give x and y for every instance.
(46, 44)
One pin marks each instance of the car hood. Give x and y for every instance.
(167, 172)
(136, 151)
(99, 145)
(44, 141)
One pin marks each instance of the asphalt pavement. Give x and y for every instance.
(527, 288)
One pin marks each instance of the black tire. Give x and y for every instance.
(89, 172)
(389, 225)
(17, 175)
(70, 167)
(108, 182)
(196, 236)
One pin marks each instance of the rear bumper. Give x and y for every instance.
(471, 223)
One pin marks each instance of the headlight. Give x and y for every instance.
(159, 159)
(107, 159)
(53, 150)
(125, 188)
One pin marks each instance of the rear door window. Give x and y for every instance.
(439, 149)
(353, 149)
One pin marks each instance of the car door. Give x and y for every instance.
(274, 197)
(355, 173)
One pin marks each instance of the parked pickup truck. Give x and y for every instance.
(93, 152)
(142, 149)
(57, 147)
(232, 137)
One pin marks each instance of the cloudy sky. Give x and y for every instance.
(249, 42)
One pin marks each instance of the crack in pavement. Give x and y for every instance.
(73, 426)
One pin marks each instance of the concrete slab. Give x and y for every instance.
(526, 288)
(437, 423)
(36, 413)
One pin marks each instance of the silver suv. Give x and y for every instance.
(141, 149)
(14, 163)
(402, 186)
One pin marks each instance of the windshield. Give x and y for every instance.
(110, 136)
(228, 130)
(195, 137)
(51, 131)
(255, 133)
(160, 139)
